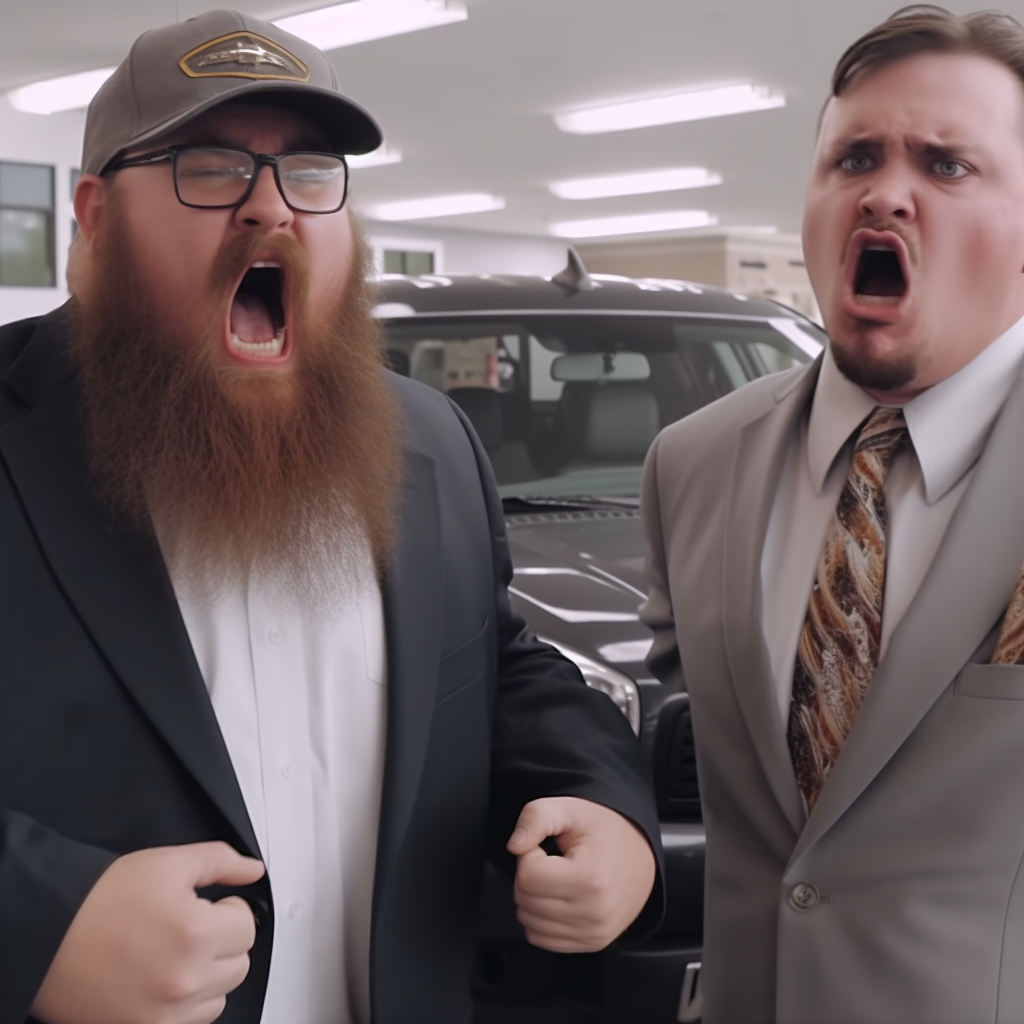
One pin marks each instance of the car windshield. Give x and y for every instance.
(567, 405)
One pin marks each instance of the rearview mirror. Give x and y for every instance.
(594, 366)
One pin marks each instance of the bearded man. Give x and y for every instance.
(265, 706)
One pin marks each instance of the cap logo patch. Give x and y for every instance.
(243, 55)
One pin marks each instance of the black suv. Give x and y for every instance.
(567, 380)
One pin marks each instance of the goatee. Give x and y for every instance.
(878, 376)
(286, 479)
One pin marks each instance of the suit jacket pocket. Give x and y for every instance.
(990, 682)
(463, 664)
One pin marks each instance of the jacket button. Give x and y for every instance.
(803, 896)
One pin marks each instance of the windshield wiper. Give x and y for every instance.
(518, 503)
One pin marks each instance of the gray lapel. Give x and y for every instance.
(759, 459)
(116, 582)
(961, 598)
(413, 616)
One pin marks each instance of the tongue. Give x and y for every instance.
(250, 319)
(882, 284)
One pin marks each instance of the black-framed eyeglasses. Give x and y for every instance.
(215, 177)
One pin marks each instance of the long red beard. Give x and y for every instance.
(287, 480)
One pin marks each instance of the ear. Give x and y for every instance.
(90, 199)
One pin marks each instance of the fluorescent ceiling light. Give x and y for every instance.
(635, 184)
(346, 24)
(640, 224)
(380, 156)
(684, 106)
(69, 92)
(437, 206)
(759, 229)
(329, 28)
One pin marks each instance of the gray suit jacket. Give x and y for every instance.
(915, 848)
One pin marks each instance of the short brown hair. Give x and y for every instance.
(926, 28)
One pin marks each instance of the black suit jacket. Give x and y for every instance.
(108, 741)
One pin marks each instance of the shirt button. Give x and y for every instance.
(294, 910)
(276, 636)
(804, 896)
(287, 769)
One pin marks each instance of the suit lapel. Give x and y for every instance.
(760, 454)
(114, 579)
(961, 598)
(413, 620)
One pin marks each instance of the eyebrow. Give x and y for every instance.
(951, 149)
(857, 142)
(873, 144)
(853, 144)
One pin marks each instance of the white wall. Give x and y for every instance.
(473, 252)
(771, 266)
(55, 140)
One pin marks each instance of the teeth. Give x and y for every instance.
(266, 263)
(879, 300)
(260, 349)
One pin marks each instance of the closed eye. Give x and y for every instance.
(212, 174)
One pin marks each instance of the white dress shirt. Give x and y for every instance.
(949, 424)
(301, 703)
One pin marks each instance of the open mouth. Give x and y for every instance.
(879, 278)
(257, 319)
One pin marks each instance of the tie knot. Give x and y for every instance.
(883, 433)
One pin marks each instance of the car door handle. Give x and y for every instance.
(691, 1000)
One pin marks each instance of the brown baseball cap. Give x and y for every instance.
(173, 74)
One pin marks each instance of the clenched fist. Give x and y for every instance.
(145, 949)
(582, 901)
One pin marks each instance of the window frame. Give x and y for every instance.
(50, 222)
(424, 245)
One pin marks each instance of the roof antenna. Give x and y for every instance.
(574, 278)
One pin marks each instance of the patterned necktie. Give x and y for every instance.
(839, 644)
(1010, 645)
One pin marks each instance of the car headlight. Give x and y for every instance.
(623, 691)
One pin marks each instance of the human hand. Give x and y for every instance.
(582, 901)
(145, 949)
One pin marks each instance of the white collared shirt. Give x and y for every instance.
(301, 703)
(949, 424)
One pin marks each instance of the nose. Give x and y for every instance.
(888, 195)
(265, 208)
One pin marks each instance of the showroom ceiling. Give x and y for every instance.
(471, 105)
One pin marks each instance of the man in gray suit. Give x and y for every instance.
(834, 560)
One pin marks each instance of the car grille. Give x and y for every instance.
(533, 518)
(675, 763)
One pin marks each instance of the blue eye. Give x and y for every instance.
(856, 162)
(950, 169)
